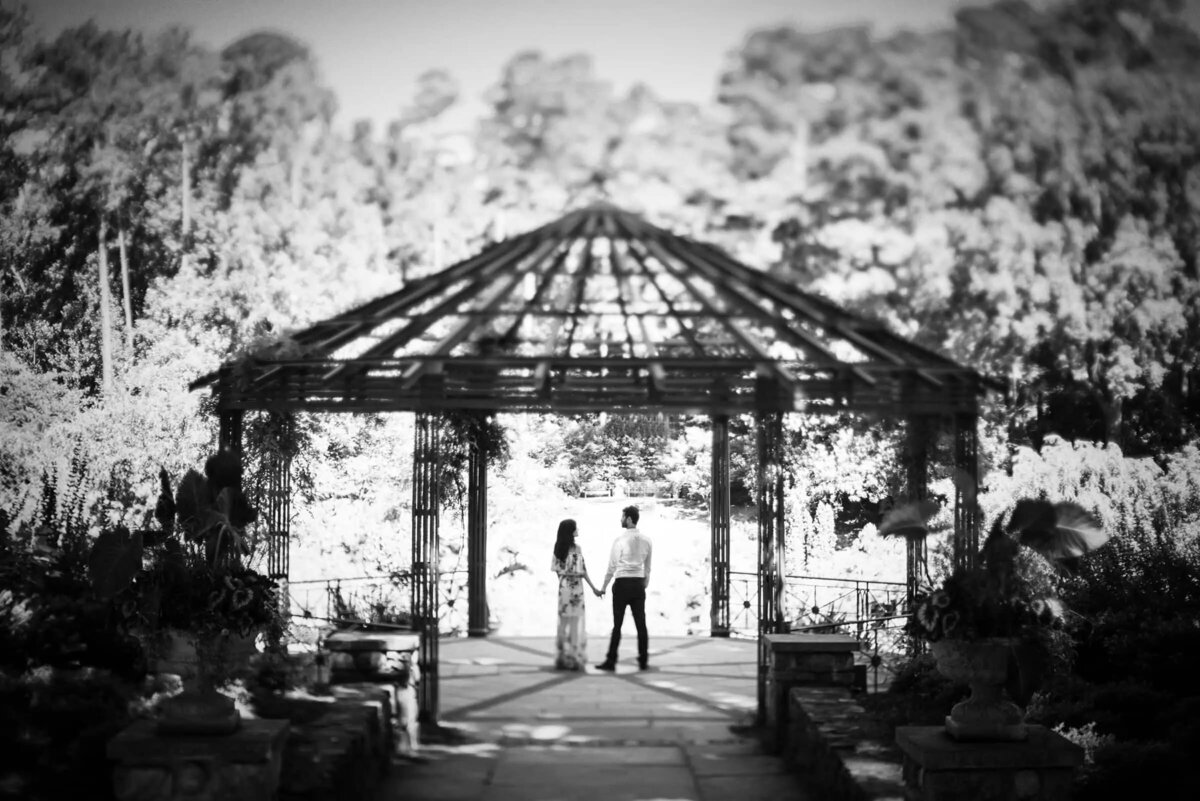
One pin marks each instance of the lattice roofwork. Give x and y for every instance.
(597, 311)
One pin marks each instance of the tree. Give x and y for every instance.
(276, 104)
(952, 184)
(1088, 116)
(85, 104)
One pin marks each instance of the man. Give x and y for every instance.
(629, 570)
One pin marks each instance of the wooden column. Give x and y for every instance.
(770, 543)
(966, 489)
(719, 522)
(277, 500)
(477, 604)
(425, 553)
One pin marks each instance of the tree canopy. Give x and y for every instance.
(1019, 191)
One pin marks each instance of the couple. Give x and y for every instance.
(628, 564)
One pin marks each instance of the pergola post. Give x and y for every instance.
(919, 432)
(425, 554)
(477, 460)
(278, 497)
(966, 489)
(770, 543)
(719, 522)
(229, 431)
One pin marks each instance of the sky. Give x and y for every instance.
(370, 52)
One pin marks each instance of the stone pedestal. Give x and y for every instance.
(939, 768)
(242, 766)
(371, 656)
(387, 660)
(795, 660)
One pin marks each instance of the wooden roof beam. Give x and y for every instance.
(658, 376)
(577, 287)
(464, 330)
(422, 322)
(849, 326)
(374, 312)
(352, 324)
(721, 278)
(688, 334)
(543, 285)
(805, 337)
(744, 339)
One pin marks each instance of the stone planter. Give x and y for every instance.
(983, 665)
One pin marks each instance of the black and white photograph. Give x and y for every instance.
(622, 400)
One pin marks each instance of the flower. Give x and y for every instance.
(1010, 590)
(970, 604)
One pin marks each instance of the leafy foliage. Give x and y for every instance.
(192, 576)
(48, 617)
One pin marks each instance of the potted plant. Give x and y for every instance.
(988, 623)
(186, 590)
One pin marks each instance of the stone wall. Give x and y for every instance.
(802, 660)
(340, 746)
(844, 753)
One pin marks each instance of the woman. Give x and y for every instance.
(572, 627)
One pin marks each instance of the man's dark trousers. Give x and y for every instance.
(629, 592)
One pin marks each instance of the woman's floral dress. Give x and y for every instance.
(572, 625)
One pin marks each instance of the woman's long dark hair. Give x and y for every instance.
(566, 538)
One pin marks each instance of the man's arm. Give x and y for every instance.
(612, 565)
(649, 553)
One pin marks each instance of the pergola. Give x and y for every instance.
(602, 311)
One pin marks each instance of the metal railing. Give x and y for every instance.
(872, 611)
(382, 599)
(888, 646)
(817, 601)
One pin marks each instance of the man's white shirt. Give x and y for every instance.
(630, 556)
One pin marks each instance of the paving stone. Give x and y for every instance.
(770, 787)
(670, 733)
(442, 775)
(617, 755)
(598, 781)
(713, 763)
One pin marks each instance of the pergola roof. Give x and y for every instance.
(597, 311)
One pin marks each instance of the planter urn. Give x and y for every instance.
(987, 715)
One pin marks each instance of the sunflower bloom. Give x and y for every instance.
(927, 616)
(242, 597)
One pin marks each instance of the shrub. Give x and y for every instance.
(1086, 738)
(918, 696)
(1124, 770)
(1147, 645)
(1131, 711)
(57, 725)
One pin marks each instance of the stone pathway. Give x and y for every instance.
(517, 730)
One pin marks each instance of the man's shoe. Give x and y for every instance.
(606, 666)
(643, 665)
